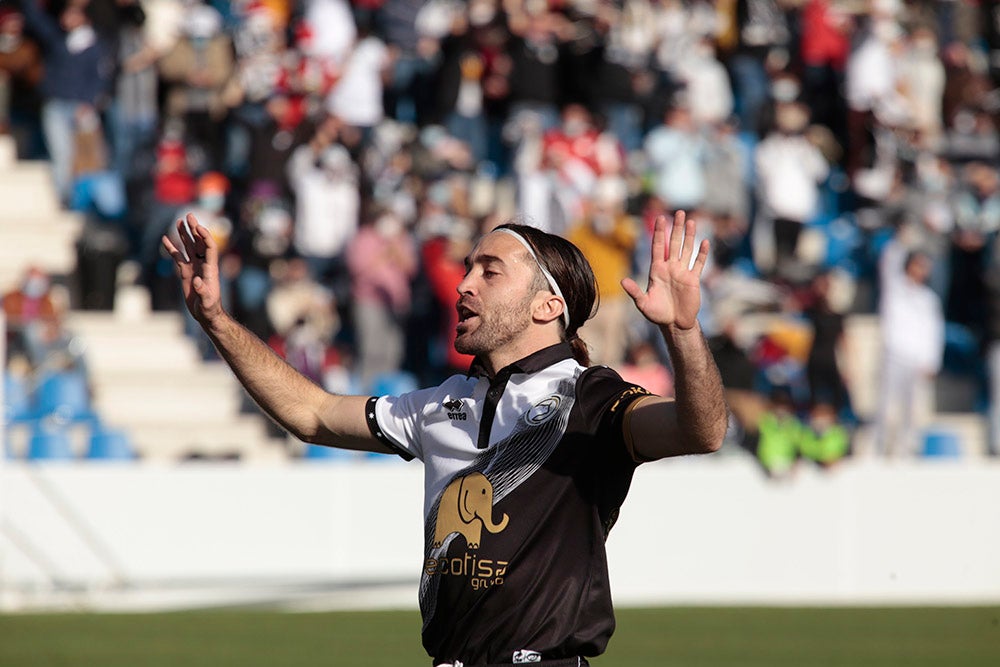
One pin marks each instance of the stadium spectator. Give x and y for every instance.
(824, 440)
(195, 73)
(824, 370)
(677, 151)
(443, 259)
(642, 367)
(607, 236)
(780, 435)
(356, 97)
(78, 75)
(324, 180)
(304, 318)
(912, 349)
(32, 311)
(134, 110)
(382, 261)
(20, 74)
(789, 170)
(509, 446)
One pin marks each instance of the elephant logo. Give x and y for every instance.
(466, 507)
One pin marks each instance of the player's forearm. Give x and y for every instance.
(290, 398)
(700, 403)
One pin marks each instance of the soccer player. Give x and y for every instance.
(529, 456)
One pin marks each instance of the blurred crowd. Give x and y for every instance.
(841, 155)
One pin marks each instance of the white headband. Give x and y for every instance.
(553, 285)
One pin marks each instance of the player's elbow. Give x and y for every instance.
(710, 438)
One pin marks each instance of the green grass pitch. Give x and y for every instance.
(700, 636)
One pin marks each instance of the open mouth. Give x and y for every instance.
(465, 314)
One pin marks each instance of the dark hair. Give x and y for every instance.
(574, 276)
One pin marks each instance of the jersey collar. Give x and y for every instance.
(532, 363)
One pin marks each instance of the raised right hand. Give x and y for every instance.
(197, 264)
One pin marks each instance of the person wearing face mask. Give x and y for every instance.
(79, 66)
(30, 310)
(576, 155)
(607, 236)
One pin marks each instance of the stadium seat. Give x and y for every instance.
(110, 445)
(50, 442)
(17, 400)
(322, 453)
(940, 443)
(65, 395)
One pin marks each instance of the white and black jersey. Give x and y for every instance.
(524, 475)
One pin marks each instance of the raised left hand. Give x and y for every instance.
(673, 295)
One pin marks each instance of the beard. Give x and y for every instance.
(495, 328)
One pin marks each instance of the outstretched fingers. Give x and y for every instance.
(205, 249)
(677, 234)
(659, 239)
(702, 258)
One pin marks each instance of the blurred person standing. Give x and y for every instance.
(677, 151)
(31, 309)
(871, 88)
(912, 324)
(195, 73)
(79, 67)
(382, 260)
(324, 180)
(824, 44)
(991, 345)
(409, 93)
(706, 84)
(607, 236)
(443, 258)
(824, 371)
(976, 207)
(304, 319)
(789, 171)
(21, 72)
(922, 83)
(537, 36)
(759, 45)
(356, 97)
(134, 111)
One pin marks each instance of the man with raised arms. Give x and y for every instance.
(529, 455)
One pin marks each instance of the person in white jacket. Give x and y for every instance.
(912, 324)
(789, 169)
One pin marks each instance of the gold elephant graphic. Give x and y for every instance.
(466, 507)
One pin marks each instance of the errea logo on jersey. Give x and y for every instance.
(543, 410)
(454, 409)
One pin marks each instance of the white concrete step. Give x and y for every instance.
(103, 324)
(169, 441)
(27, 192)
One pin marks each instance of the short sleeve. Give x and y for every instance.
(605, 398)
(395, 421)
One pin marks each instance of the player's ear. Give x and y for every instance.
(548, 307)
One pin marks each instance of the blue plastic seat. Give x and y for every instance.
(940, 443)
(50, 443)
(18, 405)
(323, 453)
(110, 445)
(66, 396)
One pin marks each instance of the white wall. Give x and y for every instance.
(691, 531)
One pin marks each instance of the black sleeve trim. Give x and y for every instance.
(377, 433)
